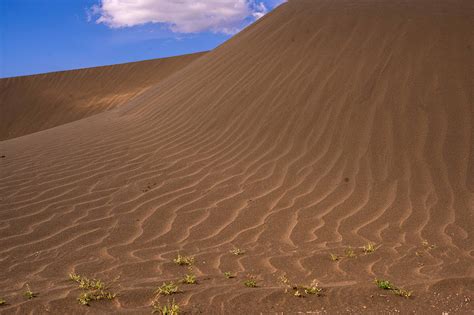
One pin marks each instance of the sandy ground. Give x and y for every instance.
(324, 126)
(37, 102)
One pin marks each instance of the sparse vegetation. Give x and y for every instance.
(387, 285)
(369, 248)
(2, 301)
(189, 279)
(28, 293)
(427, 245)
(313, 288)
(94, 290)
(334, 257)
(94, 295)
(167, 289)
(251, 282)
(228, 275)
(184, 260)
(237, 251)
(350, 253)
(167, 309)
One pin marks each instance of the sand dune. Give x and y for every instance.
(323, 126)
(33, 103)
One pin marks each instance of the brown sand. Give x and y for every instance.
(37, 102)
(326, 124)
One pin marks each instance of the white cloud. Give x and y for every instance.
(181, 16)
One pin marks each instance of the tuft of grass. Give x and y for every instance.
(427, 245)
(2, 301)
(237, 251)
(228, 275)
(350, 253)
(384, 284)
(167, 309)
(298, 294)
(334, 257)
(167, 289)
(86, 283)
(369, 248)
(402, 292)
(93, 289)
(189, 279)
(313, 288)
(28, 293)
(95, 295)
(184, 260)
(251, 282)
(387, 285)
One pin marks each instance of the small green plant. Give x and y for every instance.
(94, 290)
(228, 275)
(251, 282)
(350, 253)
(427, 245)
(298, 294)
(28, 293)
(167, 289)
(95, 295)
(402, 292)
(387, 285)
(384, 284)
(2, 301)
(369, 248)
(184, 260)
(334, 257)
(313, 288)
(189, 279)
(167, 309)
(237, 251)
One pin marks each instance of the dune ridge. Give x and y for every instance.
(324, 126)
(37, 102)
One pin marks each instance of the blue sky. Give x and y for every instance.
(38, 36)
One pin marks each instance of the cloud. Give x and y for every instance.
(181, 16)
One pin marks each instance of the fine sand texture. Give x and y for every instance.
(37, 102)
(323, 127)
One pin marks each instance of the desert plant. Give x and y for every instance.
(384, 284)
(94, 290)
(237, 251)
(298, 294)
(402, 292)
(313, 288)
(251, 282)
(167, 309)
(387, 285)
(28, 293)
(189, 279)
(167, 289)
(184, 260)
(228, 275)
(369, 248)
(350, 253)
(2, 301)
(95, 295)
(334, 257)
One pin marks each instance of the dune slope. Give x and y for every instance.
(324, 126)
(33, 103)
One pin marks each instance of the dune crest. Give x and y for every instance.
(323, 127)
(37, 102)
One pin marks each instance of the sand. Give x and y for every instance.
(324, 126)
(37, 102)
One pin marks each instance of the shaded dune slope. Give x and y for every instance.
(33, 103)
(326, 124)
